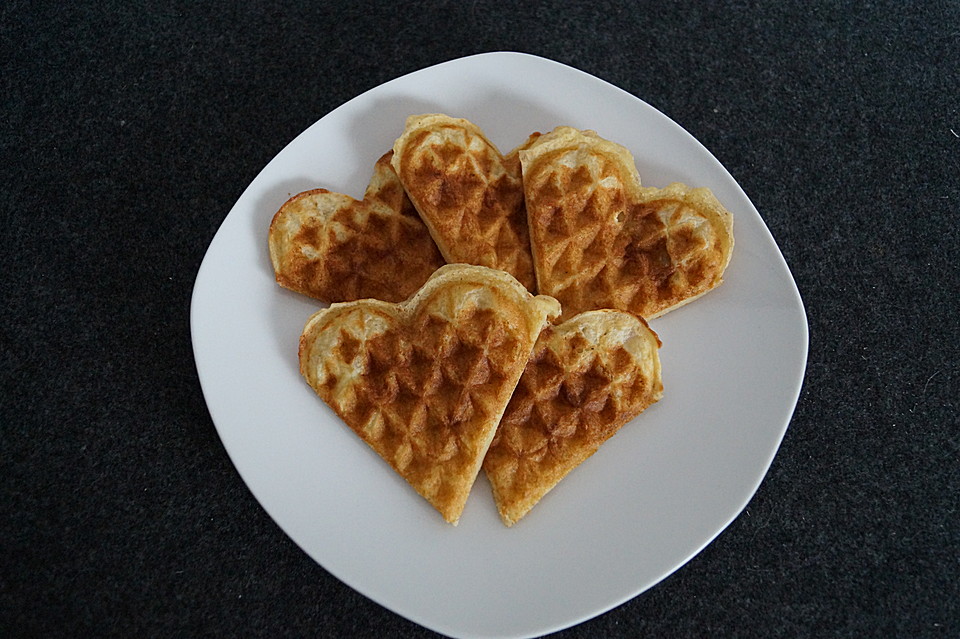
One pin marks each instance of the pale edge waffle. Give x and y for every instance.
(586, 378)
(467, 193)
(334, 248)
(601, 240)
(425, 382)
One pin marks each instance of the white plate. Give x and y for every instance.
(640, 508)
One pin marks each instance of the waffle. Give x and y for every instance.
(336, 249)
(601, 240)
(585, 379)
(425, 382)
(467, 193)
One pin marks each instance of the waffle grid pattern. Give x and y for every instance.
(602, 241)
(425, 390)
(471, 198)
(584, 381)
(334, 248)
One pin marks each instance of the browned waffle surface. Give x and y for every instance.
(425, 382)
(335, 248)
(467, 193)
(601, 240)
(585, 379)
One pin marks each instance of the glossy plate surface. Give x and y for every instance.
(649, 500)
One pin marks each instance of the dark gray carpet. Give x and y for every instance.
(129, 129)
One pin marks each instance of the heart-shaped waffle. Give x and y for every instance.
(468, 194)
(425, 382)
(600, 240)
(586, 378)
(334, 248)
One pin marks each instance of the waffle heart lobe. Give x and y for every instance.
(601, 240)
(586, 378)
(425, 382)
(468, 194)
(334, 248)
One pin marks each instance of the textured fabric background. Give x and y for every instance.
(128, 131)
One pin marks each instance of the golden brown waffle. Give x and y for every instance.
(334, 248)
(467, 193)
(425, 382)
(586, 378)
(600, 240)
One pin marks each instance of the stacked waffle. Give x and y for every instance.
(436, 350)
